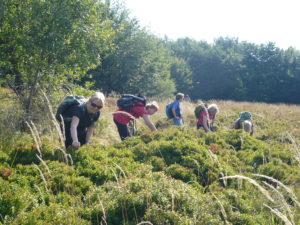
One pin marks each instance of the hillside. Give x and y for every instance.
(172, 176)
(50, 49)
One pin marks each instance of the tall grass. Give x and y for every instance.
(271, 121)
(281, 215)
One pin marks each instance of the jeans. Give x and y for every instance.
(123, 130)
(177, 122)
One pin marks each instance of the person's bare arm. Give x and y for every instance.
(212, 122)
(149, 122)
(206, 128)
(174, 113)
(73, 130)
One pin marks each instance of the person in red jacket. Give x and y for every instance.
(123, 118)
(207, 120)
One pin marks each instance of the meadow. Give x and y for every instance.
(171, 176)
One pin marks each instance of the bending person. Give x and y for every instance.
(206, 118)
(80, 128)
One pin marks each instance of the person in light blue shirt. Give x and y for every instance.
(177, 119)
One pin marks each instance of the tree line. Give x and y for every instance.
(46, 45)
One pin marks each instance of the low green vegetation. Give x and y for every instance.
(173, 176)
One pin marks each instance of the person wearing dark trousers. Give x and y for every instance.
(79, 129)
(123, 118)
(123, 130)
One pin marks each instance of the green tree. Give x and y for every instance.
(215, 69)
(43, 42)
(182, 75)
(139, 63)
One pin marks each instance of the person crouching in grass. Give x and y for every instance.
(244, 122)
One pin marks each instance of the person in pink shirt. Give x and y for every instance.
(207, 117)
(122, 117)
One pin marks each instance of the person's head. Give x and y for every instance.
(213, 109)
(179, 96)
(96, 102)
(152, 107)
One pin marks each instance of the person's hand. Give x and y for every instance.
(76, 144)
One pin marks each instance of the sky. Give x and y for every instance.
(255, 21)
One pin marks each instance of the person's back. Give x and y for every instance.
(124, 116)
(244, 122)
(203, 121)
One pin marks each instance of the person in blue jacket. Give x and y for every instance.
(177, 115)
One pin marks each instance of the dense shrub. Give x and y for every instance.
(172, 176)
(155, 198)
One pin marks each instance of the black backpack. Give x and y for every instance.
(66, 104)
(127, 101)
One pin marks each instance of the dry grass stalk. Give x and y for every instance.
(214, 158)
(66, 157)
(115, 176)
(222, 209)
(41, 193)
(260, 188)
(61, 132)
(45, 165)
(145, 222)
(280, 215)
(70, 157)
(282, 185)
(122, 171)
(198, 166)
(286, 205)
(34, 135)
(42, 176)
(103, 218)
(172, 200)
(16, 219)
(56, 124)
(295, 149)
